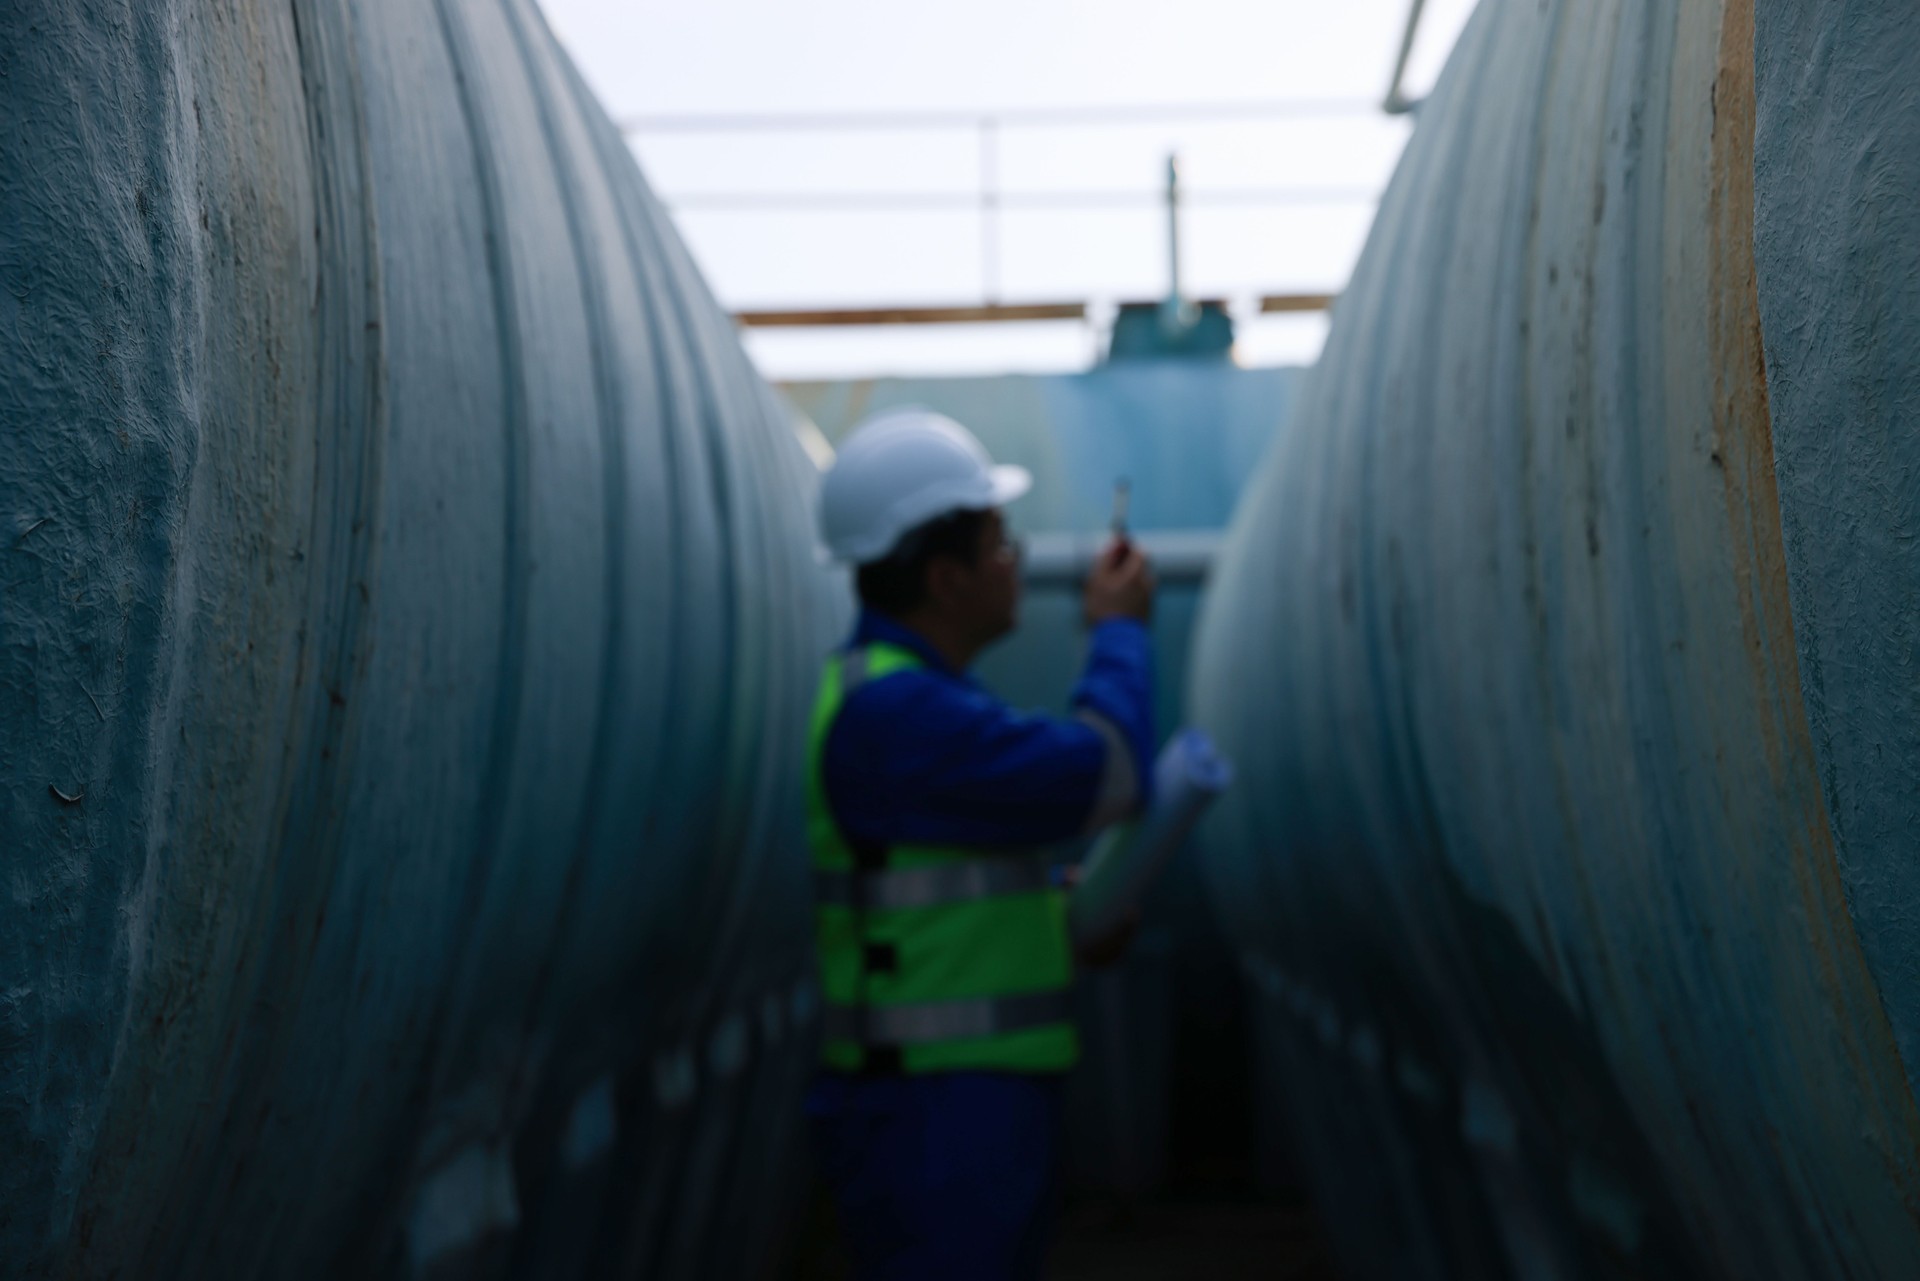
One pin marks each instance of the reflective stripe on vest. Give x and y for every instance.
(933, 958)
(946, 1020)
(980, 877)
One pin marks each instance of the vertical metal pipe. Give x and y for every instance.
(1396, 103)
(990, 209)
(1174, 294)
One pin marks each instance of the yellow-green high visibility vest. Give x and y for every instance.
(932, 958)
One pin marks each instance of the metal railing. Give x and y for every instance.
(988, 198)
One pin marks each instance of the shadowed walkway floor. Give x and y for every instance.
(1221, 1242)
(1215, 1240)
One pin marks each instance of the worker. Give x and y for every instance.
(941, 927)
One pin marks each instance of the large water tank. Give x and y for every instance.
(1566, 646)
(408, 614)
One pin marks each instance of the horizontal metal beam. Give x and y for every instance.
(890, 121)
(944, 201)
(983, 314)
(1297, 302)
(991, 313)
(1063, 559)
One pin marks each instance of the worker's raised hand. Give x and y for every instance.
(1120, 586)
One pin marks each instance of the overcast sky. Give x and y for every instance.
(648, 59)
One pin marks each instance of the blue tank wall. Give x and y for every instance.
(407, 618)
(1186, 434)
(1564, 643)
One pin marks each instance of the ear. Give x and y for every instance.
(944, 581)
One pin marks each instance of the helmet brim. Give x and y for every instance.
(1009, 482)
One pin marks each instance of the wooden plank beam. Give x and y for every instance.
(1297, 302)
(983, 314)
(986, 314)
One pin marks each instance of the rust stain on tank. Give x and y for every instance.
(1743, 457)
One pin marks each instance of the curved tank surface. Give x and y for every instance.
(408, 613)
(1565, 644)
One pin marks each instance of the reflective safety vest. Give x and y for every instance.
(933, 958)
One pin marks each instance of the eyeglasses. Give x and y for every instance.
(1008, 547)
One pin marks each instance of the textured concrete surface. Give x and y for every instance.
(407, 618)
(1837, 243)
(1576, 749)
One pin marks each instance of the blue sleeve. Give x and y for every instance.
(917, 758)
(1118, 684)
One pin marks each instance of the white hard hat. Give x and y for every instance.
(901, 469)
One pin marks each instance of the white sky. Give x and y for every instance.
(649, 58)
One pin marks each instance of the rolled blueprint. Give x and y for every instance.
(1126, 861)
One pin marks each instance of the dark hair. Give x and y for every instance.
(897, 584)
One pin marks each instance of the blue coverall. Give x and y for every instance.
(953, 1175)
